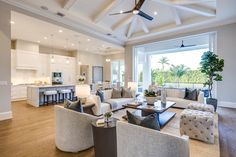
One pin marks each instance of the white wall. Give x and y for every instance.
(5, 62)
(226, 39)
(89, 59)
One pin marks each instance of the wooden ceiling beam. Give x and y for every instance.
(68, 4)
(186, 2)
(194, 8)
(132, 26)
(104, 12)
(176, 15)
(122, 23)
(143, 25)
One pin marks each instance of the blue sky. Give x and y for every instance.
(190, 59)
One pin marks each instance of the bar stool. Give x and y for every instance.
(64, 93)
(48, 94)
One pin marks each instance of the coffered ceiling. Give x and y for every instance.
(169, 16)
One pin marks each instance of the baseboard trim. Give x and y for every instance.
(227, 104)
(5, 115)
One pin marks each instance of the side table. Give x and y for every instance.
(105, 139)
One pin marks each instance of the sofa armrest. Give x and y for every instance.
(200, 98)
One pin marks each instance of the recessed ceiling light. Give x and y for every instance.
(45, 38)
(88, 39)
(121, 11)
(38, 41)
(155, 12)
(60, 31)
(72, 44)
(12, 22)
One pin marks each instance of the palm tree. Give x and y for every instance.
(163, 61)
(178, 71)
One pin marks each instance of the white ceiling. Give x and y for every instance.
(31, 29)
(173, 16)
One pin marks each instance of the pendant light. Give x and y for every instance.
(79, 62)
(52, 57)
(67, 44)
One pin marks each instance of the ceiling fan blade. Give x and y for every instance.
(145, 15)
(139, 5)
(125, 12)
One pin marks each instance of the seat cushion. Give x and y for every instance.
(181, 103)
(118, 103)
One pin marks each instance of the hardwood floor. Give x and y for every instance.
(227, 130)
(31, 133)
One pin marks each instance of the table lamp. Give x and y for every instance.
(82, 92)
(133, 87)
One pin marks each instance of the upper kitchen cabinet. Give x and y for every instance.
(27, 60)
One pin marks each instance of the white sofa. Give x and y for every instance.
(137, 141)
(177, 95)
(73, 130)
(103, 107)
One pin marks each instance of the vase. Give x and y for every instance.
(163, 96)
(151, 100)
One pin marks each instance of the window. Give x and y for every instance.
(117, 72)
(172, 63)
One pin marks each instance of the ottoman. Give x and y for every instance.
(201, 107)
(197, 125)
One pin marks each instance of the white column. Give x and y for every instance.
(5, 62)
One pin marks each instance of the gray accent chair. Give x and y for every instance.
(73, 130)
(137, 141)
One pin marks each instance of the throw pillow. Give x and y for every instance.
(149, 121)
(76, 106)
(101, 95)
(126, 93)
(116, 93)
(190, 94)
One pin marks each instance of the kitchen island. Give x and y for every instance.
(35, 92)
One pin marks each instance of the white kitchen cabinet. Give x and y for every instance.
(65, 65)
(18, 92)
(44, 66)
(27, 60)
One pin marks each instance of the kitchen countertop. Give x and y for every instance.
(49, 86)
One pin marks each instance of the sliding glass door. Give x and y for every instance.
(117, 72)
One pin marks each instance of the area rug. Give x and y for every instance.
(197, 148)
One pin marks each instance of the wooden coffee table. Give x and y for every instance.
(163, 116)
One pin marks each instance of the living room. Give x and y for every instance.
(105, 40)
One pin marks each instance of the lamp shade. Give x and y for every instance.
(82, 91)
(132, 86)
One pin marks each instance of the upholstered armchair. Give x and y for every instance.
(73, 130)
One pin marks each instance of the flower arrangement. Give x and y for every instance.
(151, 97)
(81, 78)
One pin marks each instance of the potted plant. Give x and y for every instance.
(211, 65)
(150, 97)
(107, 117)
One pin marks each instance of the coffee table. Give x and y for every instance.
(163, 116)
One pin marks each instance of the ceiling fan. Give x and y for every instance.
(182, 45)
(136, 11)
